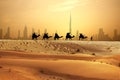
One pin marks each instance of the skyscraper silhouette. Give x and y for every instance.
(77, 34)
(18, 34)
(7, 35)
(70, 29)
(38, 31)
(45, 31)
(33, 30)
(25, 33)
(116, 36)
(101, 34)
(1, 33)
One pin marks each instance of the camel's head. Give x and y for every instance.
(38, 34)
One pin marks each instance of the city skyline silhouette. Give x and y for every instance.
(100, 36)
(87, 16)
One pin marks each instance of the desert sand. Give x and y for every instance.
(59, 60)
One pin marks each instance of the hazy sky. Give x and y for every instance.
(87, 15)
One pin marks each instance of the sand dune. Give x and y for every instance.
(59, 60)
(60, 47)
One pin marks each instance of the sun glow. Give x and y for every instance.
(68, 5)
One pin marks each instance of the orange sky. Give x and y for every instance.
(87, 15)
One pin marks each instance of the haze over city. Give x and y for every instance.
(87, 16)
(59, 39)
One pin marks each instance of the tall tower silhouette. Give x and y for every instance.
(38, 31)
(45, 31)
(70, 29)
(77, 34)
(18, 34)
(1, 33)
(7, 35)
(33, 30)
(115, 37)
(8, 32)
(25, 33)
(101, 34)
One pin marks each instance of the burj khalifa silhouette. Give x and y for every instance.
(70, 25)
(68, 35)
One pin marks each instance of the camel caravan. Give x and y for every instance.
(57, 37)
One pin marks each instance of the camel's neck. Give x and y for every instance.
(38, 35)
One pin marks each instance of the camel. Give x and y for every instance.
(68, 36)
(56, 37)
(34, 36)
(82, 36)
(45, 36)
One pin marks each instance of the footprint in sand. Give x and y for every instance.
(1, 67)
(118, 64)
